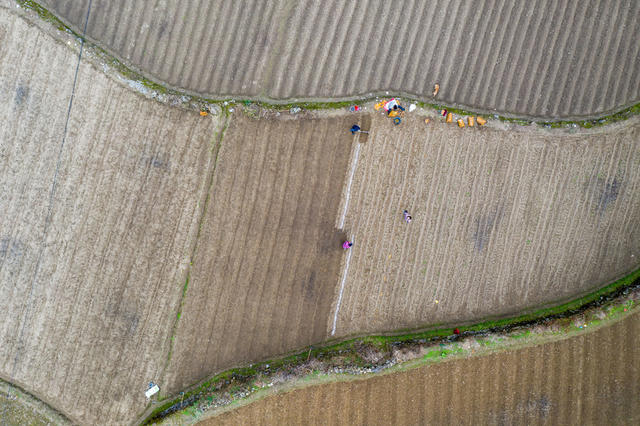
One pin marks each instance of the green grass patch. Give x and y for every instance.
(46, 16)
(524, 334)
(308, 105)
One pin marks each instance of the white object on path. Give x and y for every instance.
(412, 107)
(152, 391)
(389, 105)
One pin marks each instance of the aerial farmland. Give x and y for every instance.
(177, 206)
(588, 379)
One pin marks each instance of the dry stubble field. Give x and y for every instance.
(91, 273)
(592, 378)
(502, 221)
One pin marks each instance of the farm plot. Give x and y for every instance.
(503, 221)
(99, 215)
(542, 58)
(268, 255)
(588, 379)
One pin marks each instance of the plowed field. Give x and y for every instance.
(593, 378)
(268, 257)
(98, 221)
(107, 201)
(542, 58)
(502, 221)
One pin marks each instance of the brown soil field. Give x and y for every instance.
(96, 229)
(268, 256)
(541, 58)
(503, 221)
(593, 378)
(110, 205)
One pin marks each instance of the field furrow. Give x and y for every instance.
(99, 216)
(585, 379)
(542, 59)
(132, 249)
(268, 256)
(501, 221)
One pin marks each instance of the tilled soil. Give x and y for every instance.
(268, 255)
(541, 58)
(503, 221)
(589, 379)
(96, 229)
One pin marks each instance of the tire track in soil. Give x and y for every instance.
(607, 217)
(27, 312)
(543, 228)
(592, 207)
(476, 194)
(241, 236)
(307, 289)
(634, 179)
(250, 320)
(567, 234)
(38, 158)
(289, 267)
(626, 176)
(491, 216)
(365, 212)
(414, 281)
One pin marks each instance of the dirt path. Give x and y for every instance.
(542, 58)
(502, 221)
(589, 379)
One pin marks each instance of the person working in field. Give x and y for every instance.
(407, 217)
(355, 129)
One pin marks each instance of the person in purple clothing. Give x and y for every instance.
(407, 217)
(347, 244)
